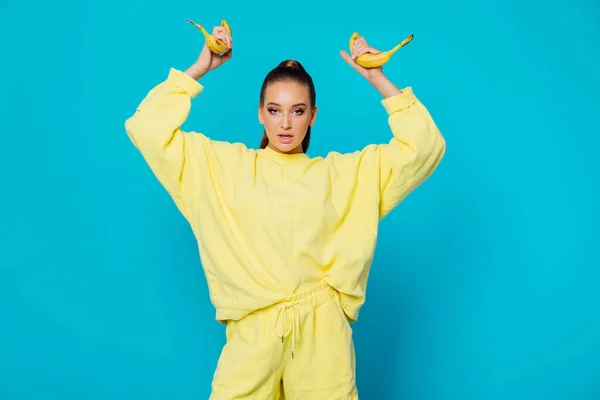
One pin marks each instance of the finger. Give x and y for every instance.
(349, 60)
(225, 57)
(221, 33)
(360, 41)
(219, 29)
(368, 49)
(224, 38)
(347, 57)
(225, 32)
(359, 48)
(355, 46)
(229, 39)
(362, 51)
(228, 36)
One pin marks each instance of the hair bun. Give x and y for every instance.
(291, 64)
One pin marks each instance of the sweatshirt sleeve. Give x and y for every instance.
(382, 175)
(414, 152)
(155, 129)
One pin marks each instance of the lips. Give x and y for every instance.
(285, 137)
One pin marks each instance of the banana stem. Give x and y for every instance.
(402, 44)
(199, 27)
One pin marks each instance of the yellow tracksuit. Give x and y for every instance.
(286, 240)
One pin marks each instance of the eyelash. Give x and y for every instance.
(300, 111)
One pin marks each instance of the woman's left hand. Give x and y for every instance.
(360, 47)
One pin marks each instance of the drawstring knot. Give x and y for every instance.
(282, 320)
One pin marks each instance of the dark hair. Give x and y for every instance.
(288, 70)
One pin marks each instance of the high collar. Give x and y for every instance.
(284, 158)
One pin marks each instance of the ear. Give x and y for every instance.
(314, 115)
(260, 116)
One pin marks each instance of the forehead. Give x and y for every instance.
(287, 92)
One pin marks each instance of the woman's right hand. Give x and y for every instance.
(208, 61)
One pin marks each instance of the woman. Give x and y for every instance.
(286, 240)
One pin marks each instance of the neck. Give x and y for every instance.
(273, 153)
(297, 150)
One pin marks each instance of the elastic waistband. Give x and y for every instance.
(314, 296)
(286, 324)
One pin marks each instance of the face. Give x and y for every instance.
(286, 115)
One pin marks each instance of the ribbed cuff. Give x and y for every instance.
(185, 82)
(399, 101)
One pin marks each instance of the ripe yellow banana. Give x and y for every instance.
(369, 60)
(215, 45)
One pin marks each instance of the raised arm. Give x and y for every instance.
(416, 147)
(413, 153)
(155, 127)
(155, 131)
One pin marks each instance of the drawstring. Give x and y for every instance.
(295, 323)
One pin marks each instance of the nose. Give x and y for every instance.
(285, 123)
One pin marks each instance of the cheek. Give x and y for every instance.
(266, 117)
(271, 120)
(303, 119)
(271, 123)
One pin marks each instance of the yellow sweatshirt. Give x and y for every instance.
(268, 224)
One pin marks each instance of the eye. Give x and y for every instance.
(272, 110)
(299, 111)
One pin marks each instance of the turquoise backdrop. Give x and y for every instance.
(486, 279)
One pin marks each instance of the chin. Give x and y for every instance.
(287, 148)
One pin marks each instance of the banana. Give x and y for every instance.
(215, 45)
(369, 60)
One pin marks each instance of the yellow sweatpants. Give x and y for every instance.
(300, 348)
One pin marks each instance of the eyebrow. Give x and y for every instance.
(294, 105)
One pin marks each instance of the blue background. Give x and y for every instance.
(486, 279)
